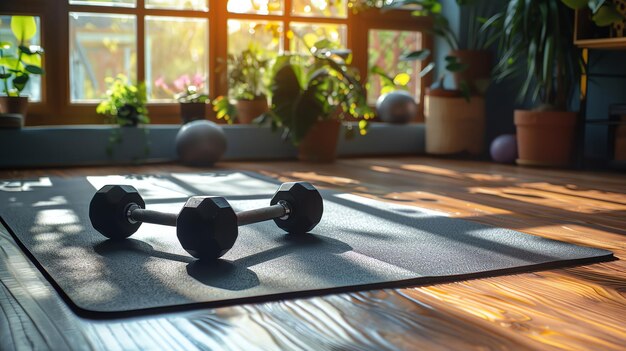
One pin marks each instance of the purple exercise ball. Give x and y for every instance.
(504, 148)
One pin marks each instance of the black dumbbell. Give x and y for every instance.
(207, 225)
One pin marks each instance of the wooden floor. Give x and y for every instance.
(565, 309)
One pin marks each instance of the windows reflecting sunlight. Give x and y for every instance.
(385, 48)
(101, 45)
(168, 74)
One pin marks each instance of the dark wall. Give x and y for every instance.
(604, 90)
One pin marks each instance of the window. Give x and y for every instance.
(33, 88)
(173, 43)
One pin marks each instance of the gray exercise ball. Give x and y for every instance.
(396, 107)
(200, 143)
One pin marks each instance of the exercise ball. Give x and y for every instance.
(396, 107)
(504, 148)
(200, 143)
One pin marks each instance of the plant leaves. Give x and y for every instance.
(575, 4)
(417, 55)
(19, 82)
(606, 16)
(33, 69)
(24, 27)
(402, 79)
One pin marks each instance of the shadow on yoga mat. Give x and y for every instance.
(359, 244)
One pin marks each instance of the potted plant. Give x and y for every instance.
(124, 106)
(17, 63)
(536, 44)
(311, 95)
(454, 116)
(192, 104)
(192, 100)
(247, 85)
(474, 54)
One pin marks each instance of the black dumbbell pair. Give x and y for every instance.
(207, 225)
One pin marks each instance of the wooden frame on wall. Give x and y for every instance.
(55, 107)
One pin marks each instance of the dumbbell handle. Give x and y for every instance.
(134, 213)
(281, 209)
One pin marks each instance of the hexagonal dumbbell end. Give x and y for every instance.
(305, 203)
(207, 227)
(107, 210)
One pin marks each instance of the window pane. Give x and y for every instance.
(266, 35)
(101, 45)
(125, 3)
(307, 34)
(260, 7)
(177, 55)
(33, 87)
(320, 8)
(198, 5)
(385, 48)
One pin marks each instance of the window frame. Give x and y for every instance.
(55, 107)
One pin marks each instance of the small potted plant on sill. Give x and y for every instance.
(247, 84)
(192, 104)
(536, 44)
(124, 106)
(191, 97)
(17, 63)
(311, 95)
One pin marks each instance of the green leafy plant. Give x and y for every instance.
(603, 13)
(247, 80)
(17, 64)
(247, 74)
(535, 42)
(125, 103)
(452, 64)
(320, 86)
(388, 83)
(224, 109)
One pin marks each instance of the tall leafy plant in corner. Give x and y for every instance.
(17, 64)
(535, 43)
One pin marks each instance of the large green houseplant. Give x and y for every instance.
(312, 94)
(536, 45)
(17, 62)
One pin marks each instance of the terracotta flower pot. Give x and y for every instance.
(545, 138)
(192, 111)
(320, 143)
(454, 125)
(478, 72)
(14, 104)
(248, 110)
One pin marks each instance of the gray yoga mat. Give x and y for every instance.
(359, 244)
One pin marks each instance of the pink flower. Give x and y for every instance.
(198, 80)
(160, 83)
(182, 82)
